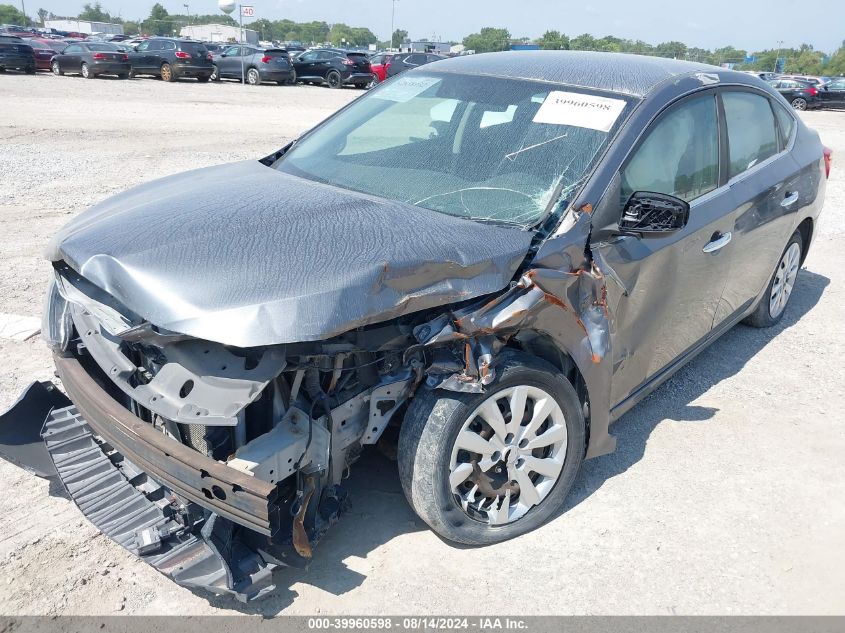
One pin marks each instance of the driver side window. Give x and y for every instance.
(680, 154)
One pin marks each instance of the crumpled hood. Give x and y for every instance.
(245, 255)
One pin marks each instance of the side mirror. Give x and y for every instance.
(653, 214)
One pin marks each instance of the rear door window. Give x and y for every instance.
(786, 124)
(752, 135)
(680, 154)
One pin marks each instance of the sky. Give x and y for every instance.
(749, 24)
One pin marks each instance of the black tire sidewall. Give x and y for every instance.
(762, 316)
(433, 451)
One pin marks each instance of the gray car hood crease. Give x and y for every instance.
(245, 255)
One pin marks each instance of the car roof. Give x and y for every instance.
(634, 75)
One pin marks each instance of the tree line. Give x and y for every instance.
(804, 59)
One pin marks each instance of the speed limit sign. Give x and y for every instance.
(247, 11)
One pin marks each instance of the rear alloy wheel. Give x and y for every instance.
(291, 81)
(167, 73)
(253, 78)
(333, 79)
(57, 70)
(799, 104)
(215, 73)
(772, 306)
(86, 72)
(483, 468)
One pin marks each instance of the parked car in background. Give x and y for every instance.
(255, 64)
(832, 94)
(16, 54)
(44, 53)
(810, 79)
(216, 47)
(56, 44)
(92, 59)
(171, 59)
(333, 67)
(802, 95)
(386, 65)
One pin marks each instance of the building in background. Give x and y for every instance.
(84, 26)
(426, 46)
(218, 33)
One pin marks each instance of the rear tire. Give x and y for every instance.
(31, 70)
(773, 303)
(429, 446)
(86, 72)
(203, 79)
(123, 76)
(253, 77)
(167, 73)
(799, 104)
(333, 79)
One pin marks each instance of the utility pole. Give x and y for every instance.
(243, 75)
(23, 10)
(187, 12)
(777, 56)
(392, 20)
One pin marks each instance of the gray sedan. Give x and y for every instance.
(484, 261)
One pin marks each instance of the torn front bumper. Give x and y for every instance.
(127, 478)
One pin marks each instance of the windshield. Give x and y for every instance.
(490, 149)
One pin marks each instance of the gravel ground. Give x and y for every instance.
(726, 494)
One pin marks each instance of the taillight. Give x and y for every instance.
(183, 55)
(813, 92)
(347, 62)
(828, 158)
(99, 56)
(125, 57)
(266, 59)
(209, 57)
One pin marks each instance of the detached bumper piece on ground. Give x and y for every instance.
(197, 548)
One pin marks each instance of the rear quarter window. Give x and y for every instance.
(193, 48)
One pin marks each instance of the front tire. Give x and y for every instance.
(799, 104)
(215, 73)
(57, 70)
(333, 79)
(484, 468)
(772, 305)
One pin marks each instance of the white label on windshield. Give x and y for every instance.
(579, 110)
(405, 88)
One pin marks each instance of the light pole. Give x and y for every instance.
(188, 12)
(23, 10)
(777, 56)
(392, 20)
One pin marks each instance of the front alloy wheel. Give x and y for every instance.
(508, 455)
(215, 73)
(799, 104)
(483, 468)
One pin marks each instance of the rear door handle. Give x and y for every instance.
(789, 200)
(719, 240)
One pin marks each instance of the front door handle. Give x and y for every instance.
(719, 240)
(789, 200)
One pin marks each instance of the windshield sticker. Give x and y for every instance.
(580, 110)
(405, 89)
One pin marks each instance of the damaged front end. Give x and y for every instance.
(217, 464)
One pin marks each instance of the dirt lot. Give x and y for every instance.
(726, 494)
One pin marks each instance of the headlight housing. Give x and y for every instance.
(56, 324)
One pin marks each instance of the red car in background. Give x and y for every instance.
(384, 65)
(45, 50)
